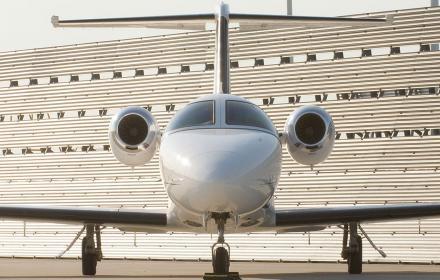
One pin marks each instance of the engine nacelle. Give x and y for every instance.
(134, 136)
(310, 135)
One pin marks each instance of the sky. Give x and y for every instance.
(25, 24)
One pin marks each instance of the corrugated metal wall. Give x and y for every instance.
(381, 84)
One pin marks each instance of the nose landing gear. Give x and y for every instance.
(221, 252)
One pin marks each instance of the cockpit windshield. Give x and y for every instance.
(247, 114)
(194, 114)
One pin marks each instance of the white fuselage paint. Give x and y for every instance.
(220, 168)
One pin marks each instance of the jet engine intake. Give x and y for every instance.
(310, 135)
(134, 136)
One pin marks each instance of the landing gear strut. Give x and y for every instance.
(353, 252)
(220, 249)
(91, 254)
(221, 252)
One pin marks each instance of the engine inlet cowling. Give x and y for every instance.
(134, 136)
(310, 135)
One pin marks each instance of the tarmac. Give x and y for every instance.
(136, 269)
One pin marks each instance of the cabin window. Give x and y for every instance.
(247, 114)
(194, 114)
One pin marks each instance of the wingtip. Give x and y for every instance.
(55, 21)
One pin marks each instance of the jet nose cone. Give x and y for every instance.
(216, 166)
(217, 180)
(220, 170)
(223, 181)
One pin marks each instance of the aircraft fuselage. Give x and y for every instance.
(221, 167)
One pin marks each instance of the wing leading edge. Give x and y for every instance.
(79, 215)
(343, 215)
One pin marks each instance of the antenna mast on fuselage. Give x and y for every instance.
(222, 65)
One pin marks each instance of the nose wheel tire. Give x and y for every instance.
(220, 260)
(220, 250)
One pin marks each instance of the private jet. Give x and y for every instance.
(220, 157)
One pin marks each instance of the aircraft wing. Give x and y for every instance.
(198, 22)
(343, 215)
(86, 215)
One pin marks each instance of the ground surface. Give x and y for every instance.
(118, 269)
